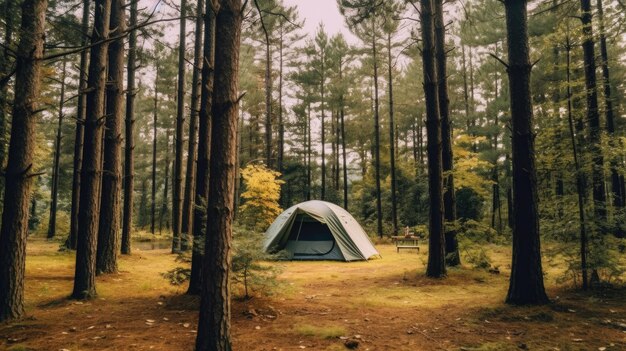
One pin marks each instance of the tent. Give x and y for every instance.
(318, 230)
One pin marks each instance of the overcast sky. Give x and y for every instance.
(315, 12)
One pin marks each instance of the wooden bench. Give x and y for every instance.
(406, 242)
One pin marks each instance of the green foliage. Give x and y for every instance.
(469, 205)
(261, 195)
(251, 269)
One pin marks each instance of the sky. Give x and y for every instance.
(315, 12)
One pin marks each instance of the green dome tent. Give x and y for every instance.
(318, 230)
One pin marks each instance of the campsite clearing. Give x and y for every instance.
(384, 304)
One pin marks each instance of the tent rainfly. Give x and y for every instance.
(318, 230)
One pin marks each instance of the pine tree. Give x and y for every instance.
(19, 172)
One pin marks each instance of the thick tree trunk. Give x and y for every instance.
(5, 68)
(453, 257)
(177, 183)
(80, 131)
(526, 282)
(91, 170)
(111, 194)
(54, 193)
(192, 153)
(129, 167)
(214, 321)
(436, 242)
(204, 144)
(154, 148)
(392, 140)
(19, 170)
(379, 206)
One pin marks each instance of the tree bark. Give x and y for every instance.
(164, 202)
(111, 194)
(129, 167)
(268, 100)
(91, 170)
(192, 153)
(5, 62)
(18, 174)
(392, 141)
(618, 197)
(593, 116)
(154, 147)
(281, 125)
(54, 193)
(204, 144)
(80, 131)
(436, 242)
(526, 282)
(580, 175)
(379, 206)
(308, 152)
(214, 321)
(453, 257)
(177, 184)
(323, 127)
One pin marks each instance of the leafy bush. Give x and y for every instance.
(261, 195)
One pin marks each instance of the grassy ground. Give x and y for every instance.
(384, 304)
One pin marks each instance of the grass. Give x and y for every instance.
(388, 302)
(324, 332)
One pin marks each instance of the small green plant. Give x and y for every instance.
(250, 266)
(478, 258)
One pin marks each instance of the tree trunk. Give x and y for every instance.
(109, 229)
(580, 175)
(18, 173)
(214, 321)
(526, 282)
(308, 162)
(91, 170)
(164, 201)
(593, 117)
(392, 141)
(281, 125)
(129, 167)
(618, 197)
(323, 127)
(268, 101)
(5, 68)
(54, 194)
(379, 206)
(177, 183)
(204, 144)
(436, 242)
(154, 146)
(343, 142)
(192, 153)
(453, 257)
(80, 131)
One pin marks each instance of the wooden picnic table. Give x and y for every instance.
(406, 242)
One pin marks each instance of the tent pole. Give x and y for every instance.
(300, 228)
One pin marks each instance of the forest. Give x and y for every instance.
(167, 181)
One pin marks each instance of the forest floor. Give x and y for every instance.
(383, 304)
